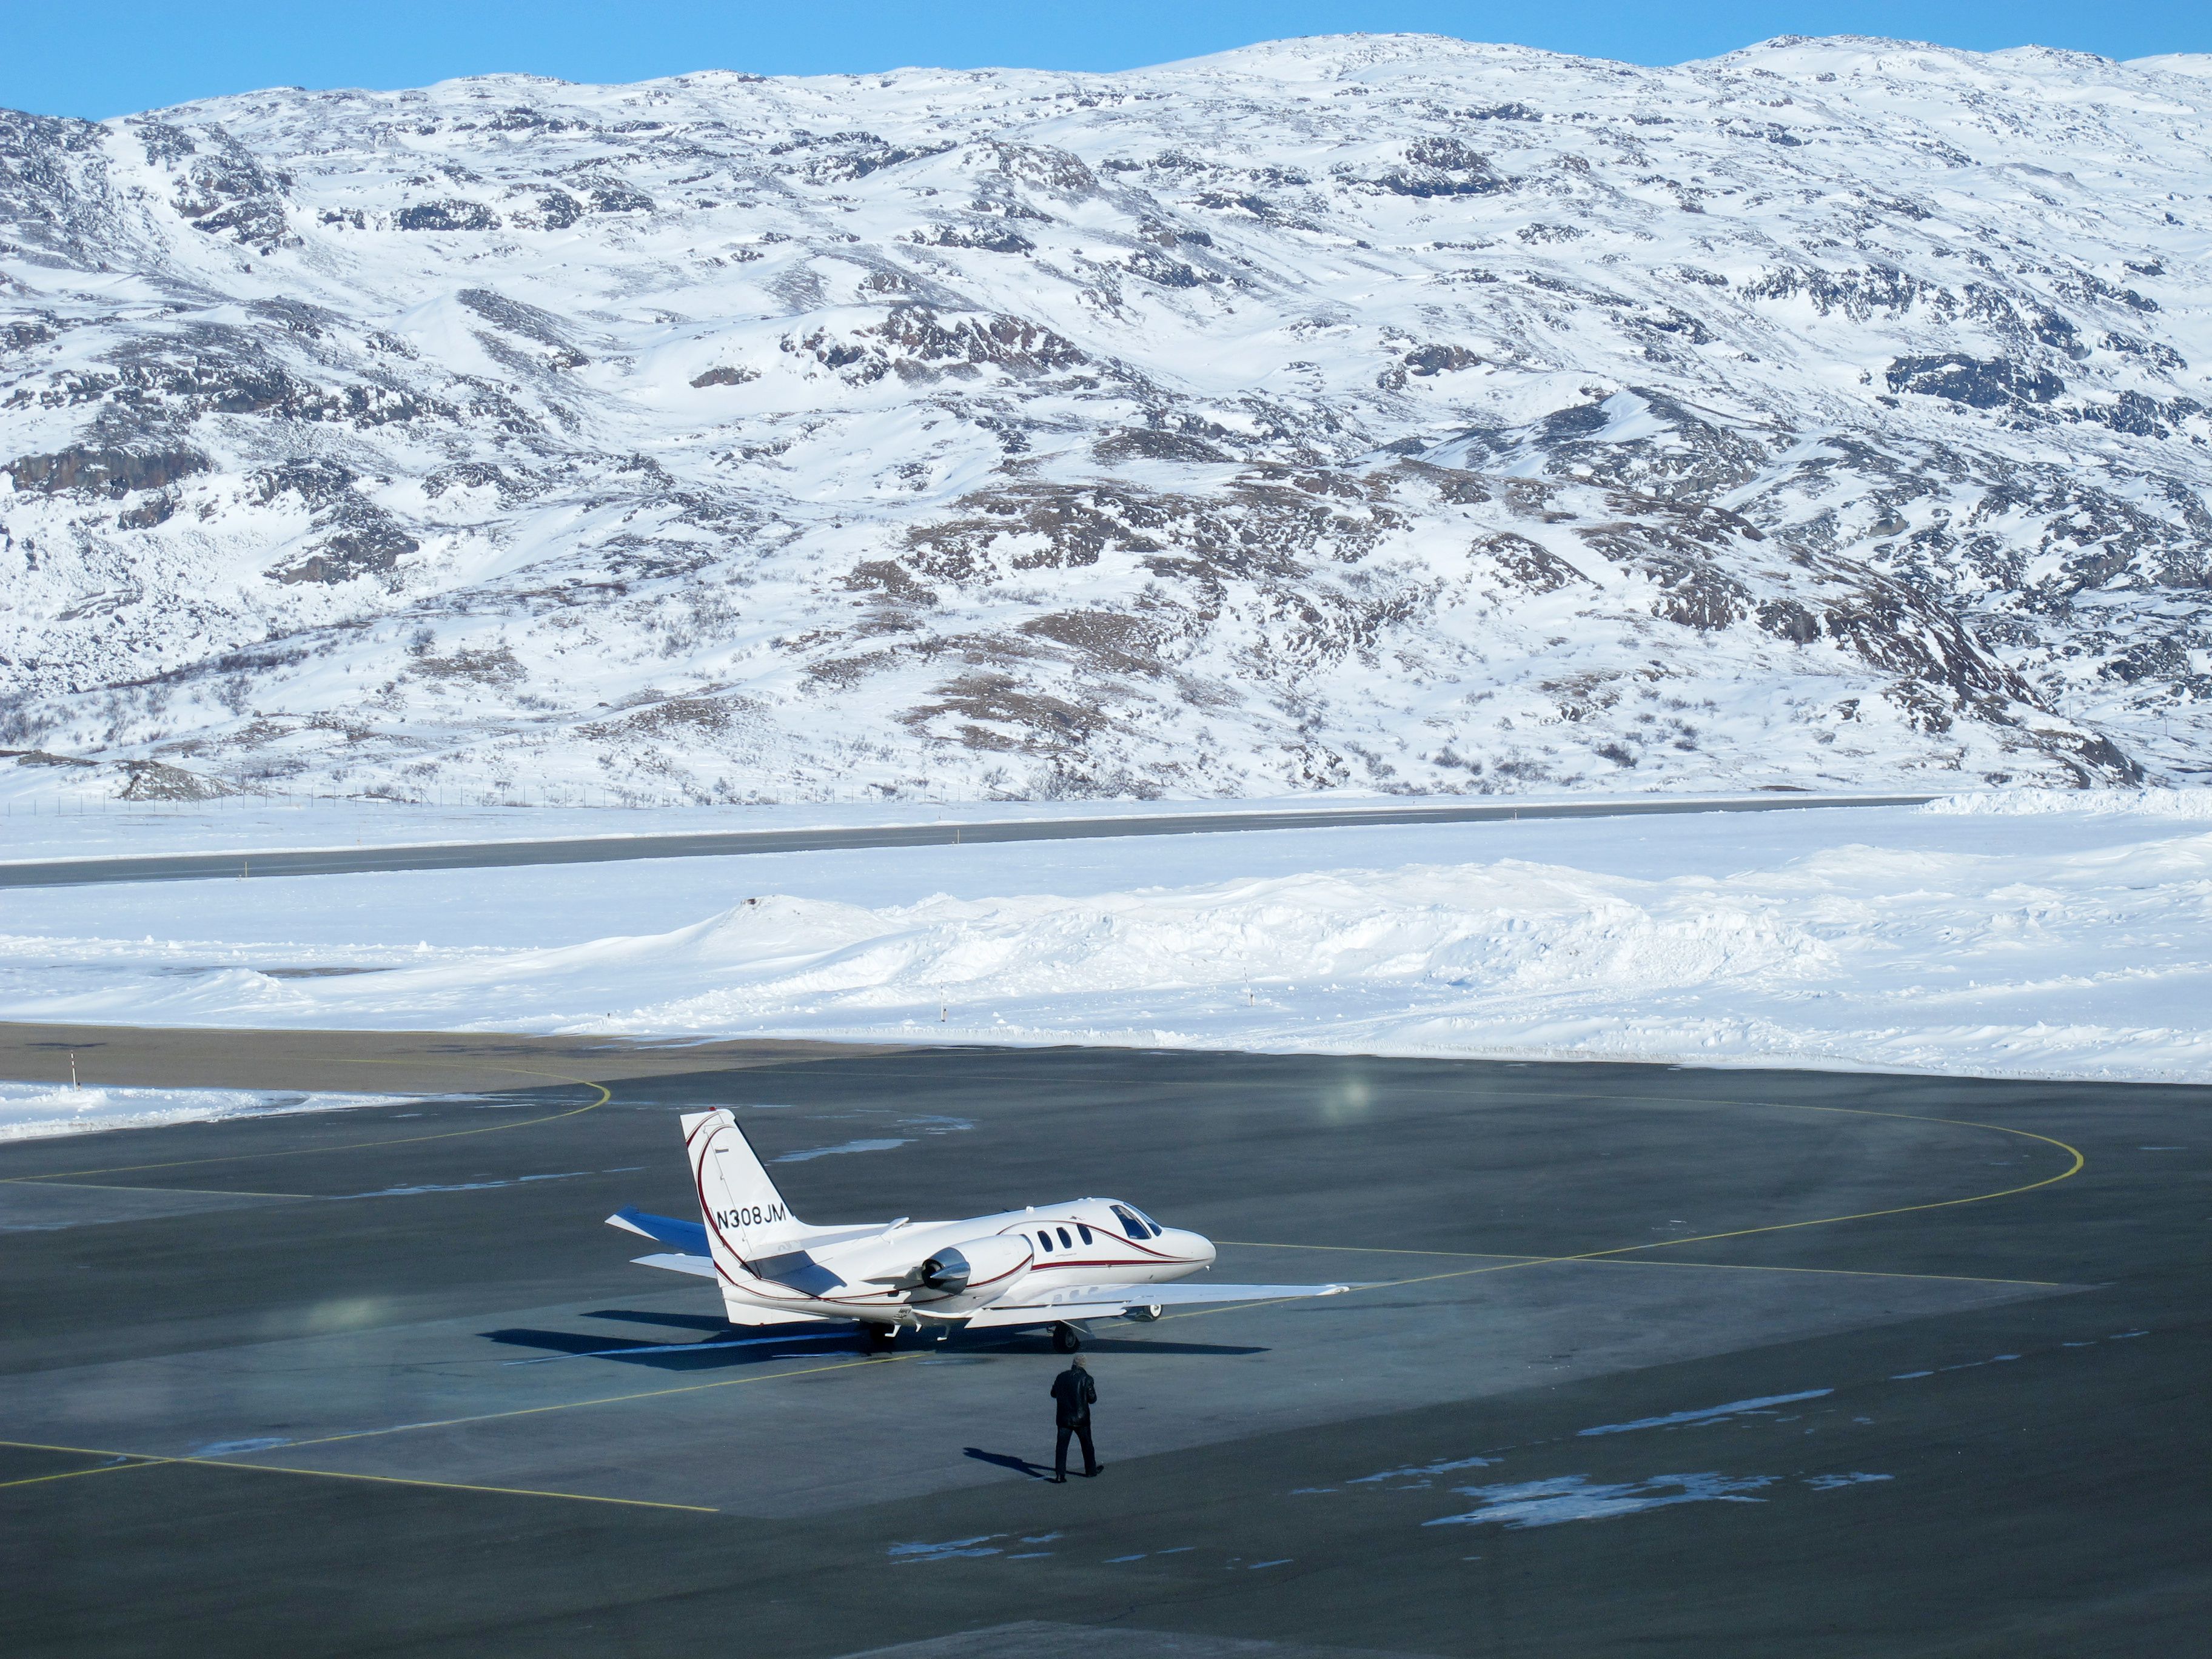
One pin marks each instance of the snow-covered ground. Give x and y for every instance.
(2054, 936)
(1384, 412)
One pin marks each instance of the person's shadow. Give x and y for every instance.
(1019, 1464)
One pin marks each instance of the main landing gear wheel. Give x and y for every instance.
(1065, 1338)
(1145, 1316)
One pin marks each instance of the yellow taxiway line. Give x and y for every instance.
(1505, 1259)
(1609, 1257)
(146, 1461)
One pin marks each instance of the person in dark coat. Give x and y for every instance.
(1073, 1393)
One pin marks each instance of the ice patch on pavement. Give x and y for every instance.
(30, 1111)
(1574, 1497)
(1831, 1482)
(467, 1186)
(954, 1550)
(832, 1152)
(1418, 1471)
(1708, 1414)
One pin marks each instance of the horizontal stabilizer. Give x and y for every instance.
(688, 1237)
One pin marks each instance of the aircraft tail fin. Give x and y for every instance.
(747, 1220)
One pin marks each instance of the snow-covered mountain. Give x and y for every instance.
(1376, 412)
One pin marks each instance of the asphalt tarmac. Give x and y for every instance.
(1654, 1361)
(732, 843)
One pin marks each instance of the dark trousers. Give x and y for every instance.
(1081, 1432)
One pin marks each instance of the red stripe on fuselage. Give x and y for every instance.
(1046, 1264)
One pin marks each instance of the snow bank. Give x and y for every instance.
(1894, 942)
(32, 1110)
(2028, 803)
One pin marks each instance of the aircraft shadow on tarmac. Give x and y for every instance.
(1038, 1342)
(676, 1320)
(721, 1346)
(721, 1349)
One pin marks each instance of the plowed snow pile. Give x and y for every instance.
(2075, 944)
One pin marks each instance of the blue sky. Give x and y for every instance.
(111, 59)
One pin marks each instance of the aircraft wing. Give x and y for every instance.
(702, 1266)
(1106, 1301)
(1195, 1292)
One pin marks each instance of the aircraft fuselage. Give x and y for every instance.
(1014, 1257)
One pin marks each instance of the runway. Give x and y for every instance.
(732, 843)
(1675, 1361)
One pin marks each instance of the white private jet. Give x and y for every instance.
(1057, 1265)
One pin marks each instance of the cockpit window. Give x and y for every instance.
(1130, 1224)
(1083, 1230)
(1150, 1225)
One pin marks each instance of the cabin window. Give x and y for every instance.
(1066, 1242)
(1045, 1238)
(1083, 1230)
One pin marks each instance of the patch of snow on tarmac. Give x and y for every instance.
(956, 1549)
(1710, 1413)
(1574, 1497)
(812, 1152)
(1421, 1471)
(30, 1111)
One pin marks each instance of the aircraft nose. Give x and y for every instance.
(1194, 1247)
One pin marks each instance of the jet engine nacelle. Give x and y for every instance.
(975, 1267)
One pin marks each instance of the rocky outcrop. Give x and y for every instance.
(113, 472)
